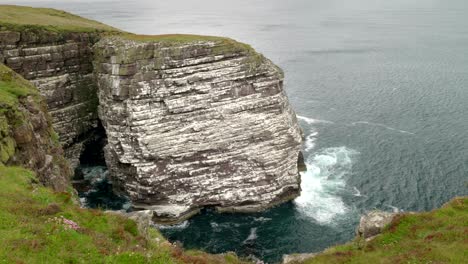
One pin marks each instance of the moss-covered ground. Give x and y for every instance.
(439, 236)
(227, 44)
(35, 227)
(12, 88)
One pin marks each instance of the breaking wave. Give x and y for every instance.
(323, 183)
(309, 143)
(252, 236)
(311, 121)
(182, 225)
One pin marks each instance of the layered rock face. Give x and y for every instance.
(26, 135)
(196, 121)
(59, 64)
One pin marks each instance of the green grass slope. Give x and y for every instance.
(40, 226)
(439, 236)
(26, 133)
(14, 17)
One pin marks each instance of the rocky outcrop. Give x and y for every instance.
(196, 121)
(60, 66)
(373, 223)
(26, 135)
(298, 258)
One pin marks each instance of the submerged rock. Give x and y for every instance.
(196, 121)
(373, 223)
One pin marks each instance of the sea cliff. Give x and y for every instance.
(190, 121)
(196, 121)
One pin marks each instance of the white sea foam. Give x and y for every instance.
(383, 126)
(394, 208)
(262, 219)
(216, 227)
(95, 174)
(311, 121)
(357, 193)
(323, 182)
(309, 143)
(252, 236)
(182, 225)
(83, 202)
(126, 206)
(311, 137)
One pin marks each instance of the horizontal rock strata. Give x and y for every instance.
(59, 64)
(194, 123)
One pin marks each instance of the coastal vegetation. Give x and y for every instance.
(38, 225)
(23, 18)
(439, 236)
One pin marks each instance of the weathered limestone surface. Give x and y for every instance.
(60, 66)
(298, 258)
(373, 223)
(194, 124)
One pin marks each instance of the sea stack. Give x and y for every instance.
(195, 121)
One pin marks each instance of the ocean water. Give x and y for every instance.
(381, 91)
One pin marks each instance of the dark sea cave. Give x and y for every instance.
(91, 179)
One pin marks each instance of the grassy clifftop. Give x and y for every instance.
(13, 87)
(22, 18)
(439, 236)
(40, 226)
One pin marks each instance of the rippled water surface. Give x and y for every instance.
(381, 88)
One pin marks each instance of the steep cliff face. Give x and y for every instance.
(191, 121)
(26, 135)
(58, 61)
(196, 121)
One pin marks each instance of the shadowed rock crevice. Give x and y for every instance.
(93, 147)
(91, 178)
